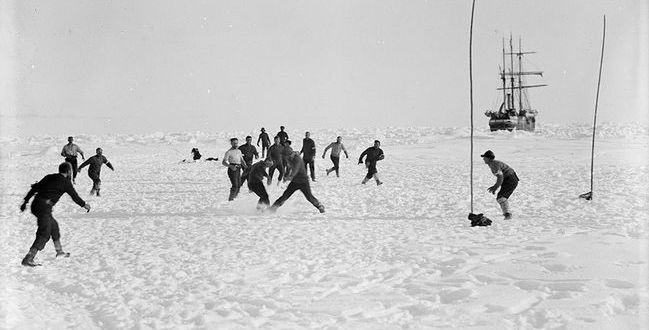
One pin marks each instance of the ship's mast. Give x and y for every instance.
(504, 79)
(511, 68)
(520, 70)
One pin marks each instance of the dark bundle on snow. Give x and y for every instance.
(479, 220)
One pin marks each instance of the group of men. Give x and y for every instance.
(49, 190)
(289, 164)
(239, 161)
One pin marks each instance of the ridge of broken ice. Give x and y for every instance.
(395, 135)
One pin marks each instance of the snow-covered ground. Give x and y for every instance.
(162, 248)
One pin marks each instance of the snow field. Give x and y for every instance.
(163, 249)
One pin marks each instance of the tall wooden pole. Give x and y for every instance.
(471, 93)
(599, 80)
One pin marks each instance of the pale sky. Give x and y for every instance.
(99, 67)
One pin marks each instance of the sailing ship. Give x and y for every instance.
(515, 111)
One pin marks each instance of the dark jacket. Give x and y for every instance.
(263, 137)
(248, 151)
(308, 148)
(52, 187)
(257, 173)
(95, 163)
(373, 155)
(276, 152)
(297, 171)
(283, 136)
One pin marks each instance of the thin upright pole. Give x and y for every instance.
(599, 80)
(471, 93)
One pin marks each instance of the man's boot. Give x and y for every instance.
(28, 260)
(59, 250)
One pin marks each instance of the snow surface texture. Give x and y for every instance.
(162, 248)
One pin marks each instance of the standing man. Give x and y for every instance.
(283, 136)
(70, 151)
(299, 181)
(374, 154)
(256, 181)
(48, 191)
(265, 141)
(233, 160)
(276, 153)
(335, 147)
(507, 181)
(249, 151)
(308, 152)
(94, 170)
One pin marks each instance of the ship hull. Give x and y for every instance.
(522, 123)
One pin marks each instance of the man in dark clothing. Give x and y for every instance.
(283, 136)
(265, 142)
(94, 170)
(374, 154)
(249, 151)
(276, 154)
(299, 181)
(256, 181)
(288, 151)
(506, 180)
(48, 191)
(196, 155)
(308, 152)
(70, 151)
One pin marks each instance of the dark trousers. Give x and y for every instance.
(507, 188)
(96, 181)
(293, 187)
(235, 179)
(371, 170)
(336, 161)
(259, 189)
(309, 164)
(245, 173)
(279, 165)
(264, 148)
(73, 162)
(47, 225)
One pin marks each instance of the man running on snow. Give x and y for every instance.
(374, 154)
(94, 170)
(507, 180)
(335, 147)
(299, 181)
(256, 177)
(70, 152)
(233, 160)
(47, 193)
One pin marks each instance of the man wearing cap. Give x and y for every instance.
(265, 142)
(507, 180)
(70, 151)
(233, 160)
